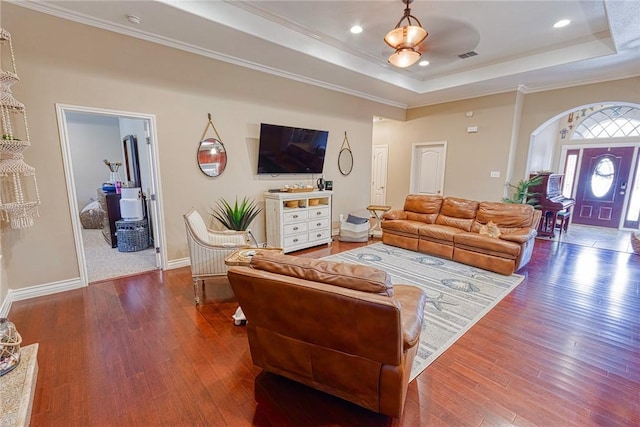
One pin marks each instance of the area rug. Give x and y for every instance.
(458, 295)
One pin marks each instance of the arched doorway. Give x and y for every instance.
(596, 147)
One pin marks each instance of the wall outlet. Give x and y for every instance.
(494, 174)
(472, 129)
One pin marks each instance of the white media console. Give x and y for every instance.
(298, 220)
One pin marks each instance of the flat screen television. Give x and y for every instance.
(284, 149)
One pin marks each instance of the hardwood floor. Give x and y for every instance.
(563, 349)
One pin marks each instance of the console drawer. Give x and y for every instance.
(295, 216)
(319, 235)
(318, 213)
(300, 227)
(295, 240)
(318, 224)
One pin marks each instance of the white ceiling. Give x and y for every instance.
(309, 40)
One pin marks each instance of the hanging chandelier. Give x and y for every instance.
(405, 39)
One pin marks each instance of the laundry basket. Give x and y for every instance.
(355, 228)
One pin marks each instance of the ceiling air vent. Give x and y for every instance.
(468, 54)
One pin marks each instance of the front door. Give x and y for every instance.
(603, 182)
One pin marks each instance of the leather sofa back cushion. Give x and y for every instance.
(458, 213)
(507, 216)
(351, 276)
(423, 208)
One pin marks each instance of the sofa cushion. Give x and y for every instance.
(358, 277)
(458, 213)
(439, 232)
(405, 226)
(508, 217)
(488, 245)
(422, 207)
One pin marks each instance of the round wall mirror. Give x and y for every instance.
(345, 161)
(212, 157)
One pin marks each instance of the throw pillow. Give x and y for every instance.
(490, 229)
(352, 219)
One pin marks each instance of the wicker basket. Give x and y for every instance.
(635, 241)
(92, 218)
(132, 236)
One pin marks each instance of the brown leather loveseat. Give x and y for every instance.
(340, 328)
(456, 228)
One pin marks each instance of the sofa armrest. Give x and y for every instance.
(412, 301)
(520, 236)
(395, 214)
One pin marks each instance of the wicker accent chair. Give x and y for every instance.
(209, 248)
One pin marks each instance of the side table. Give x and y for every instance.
(243, 257)
(374, 209)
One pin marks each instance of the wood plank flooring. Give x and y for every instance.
(563, 349)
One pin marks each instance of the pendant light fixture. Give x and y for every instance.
(405, 39)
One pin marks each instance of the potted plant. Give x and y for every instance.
(237, 217)
(521, 193)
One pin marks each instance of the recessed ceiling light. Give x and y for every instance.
(561, 23)
(423, 63)
(356, 29)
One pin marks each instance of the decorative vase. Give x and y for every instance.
(10, 341)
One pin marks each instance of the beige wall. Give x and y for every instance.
(63, 62)
(543, 106)
(471, 157)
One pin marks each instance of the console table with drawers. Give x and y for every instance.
(298, 220)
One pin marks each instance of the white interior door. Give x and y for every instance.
(379, 175)
(427, 168)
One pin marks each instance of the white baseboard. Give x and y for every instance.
(5, 307)
(178, 263)
(61, 286)
(38, 291)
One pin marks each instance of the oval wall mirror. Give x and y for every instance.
(212, 157)
(345, 161)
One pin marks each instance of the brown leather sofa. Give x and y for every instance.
(340, 328)
(453, 228)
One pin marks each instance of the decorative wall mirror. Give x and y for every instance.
(212, 156)
(345, 157)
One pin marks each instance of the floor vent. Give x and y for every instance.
(468, 54)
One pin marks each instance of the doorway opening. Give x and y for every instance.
(109, 156)
(596, 149)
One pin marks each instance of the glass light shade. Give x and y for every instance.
(406, 37)
(403, 58)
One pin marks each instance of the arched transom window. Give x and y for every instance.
(611, 122)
